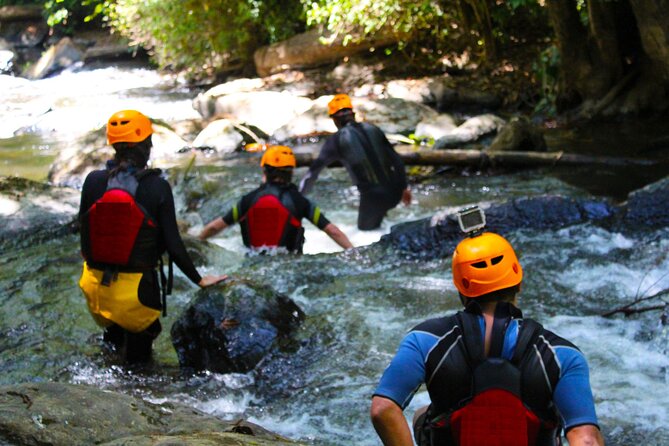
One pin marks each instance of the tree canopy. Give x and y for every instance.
(594, 52)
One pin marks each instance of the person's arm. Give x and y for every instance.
(327, 156)
(574, 400)
(389, 422)
(212, 228)
(585, 435)
(175, 246)
(338, 236)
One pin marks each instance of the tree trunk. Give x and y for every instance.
(479, 158)
(619, 63)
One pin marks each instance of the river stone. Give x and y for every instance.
(267, 110)
(265, 318)
(392, 115)
(648, 207)
(436, 237)
(91, 152)
(436, 127)
(470, 131)
(312, 122)
(61, 414)
(220, 135)
(518, 135)
(31, 211)
(58, 57)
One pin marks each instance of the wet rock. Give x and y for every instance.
(313, 121)
(470, 131)
(220, 135)
(32, 211)
(62, 414)
(267, 110)
(92, 152)
(437, 236)
(203, 340)
(56, 58)
(519, 135)
(648, 207)
(392, 115)
(435, 128)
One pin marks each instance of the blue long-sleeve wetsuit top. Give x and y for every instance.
(572, 394)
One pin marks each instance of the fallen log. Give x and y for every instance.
(478, 158)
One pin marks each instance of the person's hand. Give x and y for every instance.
(211, 280)
(406, 196)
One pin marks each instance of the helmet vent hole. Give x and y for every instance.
(479, 265)
(465, 283)
(515, 268)
(125, 122)
(496, 260)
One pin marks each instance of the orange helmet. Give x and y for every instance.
(128, 126)
(485, 263)
(339, 102)
(278, 156)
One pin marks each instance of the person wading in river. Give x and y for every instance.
(372, 163)
(492, 376)
(128, 221)
(270, 216)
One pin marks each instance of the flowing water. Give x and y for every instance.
(361, 302)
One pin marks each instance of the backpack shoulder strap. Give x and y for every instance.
(529, 332)
(472, 337)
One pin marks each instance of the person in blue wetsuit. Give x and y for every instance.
(271, 215)
(493, 377)
(370, 160)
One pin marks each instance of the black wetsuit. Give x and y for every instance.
(154, 194)
(373, 165)
(296, 204)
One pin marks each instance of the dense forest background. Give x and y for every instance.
(583, 57)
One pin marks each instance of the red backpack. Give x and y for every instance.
(495, 415)
(112, 224)
(269, 222)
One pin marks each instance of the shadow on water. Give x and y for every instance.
(646, 138)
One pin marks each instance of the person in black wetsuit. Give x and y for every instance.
(128, 221)
(270, 216)
(372, 163)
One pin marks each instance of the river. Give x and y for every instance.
(365, 300)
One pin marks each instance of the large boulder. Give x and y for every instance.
(648, 207)
(436, 127)
(437, 236)
(267, 110)
(392, 115)
(60, 414)
(32, 211)
(312, 122)
(92, 151)
(220, 135)
(518, 135)
(56, 58)
(232, 326)
(470, 131)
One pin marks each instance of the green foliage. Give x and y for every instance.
(356, 19)
(205, 35)
(71, 14)
(546, 70)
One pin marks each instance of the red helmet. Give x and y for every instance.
(128, 126)
(485, 263)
